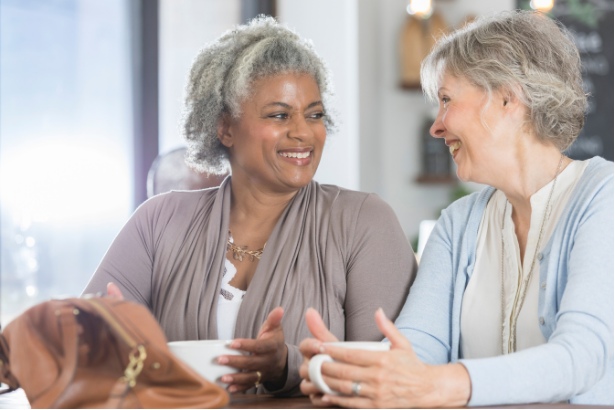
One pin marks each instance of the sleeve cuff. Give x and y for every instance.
(291, 387)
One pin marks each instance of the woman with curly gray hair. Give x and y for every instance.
(513, 301)
(245, 260)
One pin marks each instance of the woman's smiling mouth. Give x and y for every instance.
(294, 154)
(454, 147)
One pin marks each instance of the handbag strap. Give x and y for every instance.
(5, 369)
(70, 337)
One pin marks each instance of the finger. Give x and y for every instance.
(356, 357)
(114, 291)
(249, 379)
(309, 347)
(317, 326)
(237, 388)
(304, 369)
(388, 329)
(316, 400)
(308, 388)
(340, 376)
(255, 346)
(273, 322)
(244, 362)
(344, 386)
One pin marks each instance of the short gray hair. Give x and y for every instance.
(524, 53)
(222, 76)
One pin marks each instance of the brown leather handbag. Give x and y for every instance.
(98, 352)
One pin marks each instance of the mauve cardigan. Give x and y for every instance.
(341, 252)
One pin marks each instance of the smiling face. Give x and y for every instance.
(277, 141)
(477, 131)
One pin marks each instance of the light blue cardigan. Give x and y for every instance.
(575, 307)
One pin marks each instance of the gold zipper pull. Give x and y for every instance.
(135, 365)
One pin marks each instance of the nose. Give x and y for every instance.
(299, 128)
(437, 129)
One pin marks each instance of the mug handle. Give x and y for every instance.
(315, 374)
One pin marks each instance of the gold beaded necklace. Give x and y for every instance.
(239, 252)
(520, 296)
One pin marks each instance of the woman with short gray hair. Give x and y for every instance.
(244, 261)
(513, 301)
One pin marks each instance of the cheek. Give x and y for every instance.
(320, 134)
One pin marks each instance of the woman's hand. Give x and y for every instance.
(311, 347)
(113, 291)
(266, 362)
(392, 379)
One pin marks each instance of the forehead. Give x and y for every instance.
(289, 83)
(449, 82)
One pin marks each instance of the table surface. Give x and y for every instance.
(262, 401)
(17, 400)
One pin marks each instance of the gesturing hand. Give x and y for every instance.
(267, 357)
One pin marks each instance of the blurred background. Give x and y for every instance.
(91, 93)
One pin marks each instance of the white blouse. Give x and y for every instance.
(229, 302)
(481, 308)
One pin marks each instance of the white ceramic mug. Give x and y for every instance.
(316, 361)
(202, 355)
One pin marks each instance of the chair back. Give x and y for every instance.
(169, 171)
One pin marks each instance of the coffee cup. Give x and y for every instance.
(317, 361)
(202, 355)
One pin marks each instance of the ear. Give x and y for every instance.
(223, 130)
(506, 97)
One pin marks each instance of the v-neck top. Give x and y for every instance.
(484, 332)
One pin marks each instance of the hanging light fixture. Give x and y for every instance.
(420, 8)
(542, 5)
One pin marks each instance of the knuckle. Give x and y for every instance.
(384, 361)
(380, 377)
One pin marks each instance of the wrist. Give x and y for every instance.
(280, 380)
(454, 387)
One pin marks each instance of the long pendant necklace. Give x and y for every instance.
(524, 284)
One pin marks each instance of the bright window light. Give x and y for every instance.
(58, 180)
(542, 5)
(420, 8)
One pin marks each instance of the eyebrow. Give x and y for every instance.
(282, 104)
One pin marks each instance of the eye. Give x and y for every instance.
(278, 115)
(317, 115)
(445, 100)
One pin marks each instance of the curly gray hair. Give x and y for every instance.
(223, 73)
(524, 53)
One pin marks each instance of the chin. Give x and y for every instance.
(296, 183)
(463, 176)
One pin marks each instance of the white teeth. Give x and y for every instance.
(295, 154)
(454, 147)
